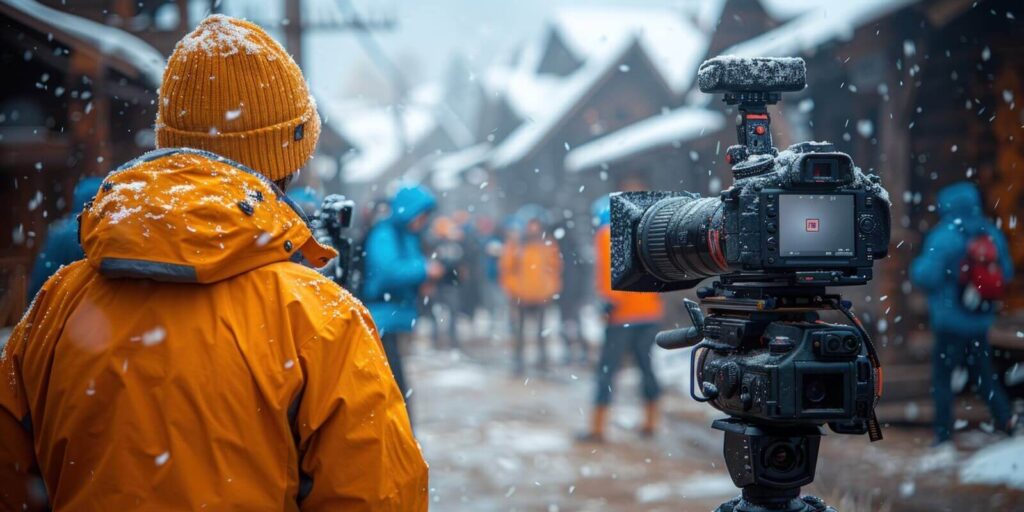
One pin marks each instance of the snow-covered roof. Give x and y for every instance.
(788, 9)
(373, 129)
(816, 27)
(374, 132)
(314, 12)
(674, 43)
(447, 168)
(558, 105)
(527, 93)
(131, 55)
(679, 125)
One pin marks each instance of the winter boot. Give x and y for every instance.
(650, 419)
(597, 422)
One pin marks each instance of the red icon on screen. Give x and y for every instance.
(812, 225)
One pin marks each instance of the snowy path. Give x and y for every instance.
(501, 443)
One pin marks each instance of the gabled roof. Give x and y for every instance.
(675, 44)
(374, 132)
(446, 169)
(128, 54)
(526, 92)
(805, 33)
(315, 13)
(674, 127)
(566, 101)
(557, 58)
(788, 9)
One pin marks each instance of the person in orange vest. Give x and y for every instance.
(632, 323)
(531, 274)
(189, 362)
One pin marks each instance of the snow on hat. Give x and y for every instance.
(231, 89)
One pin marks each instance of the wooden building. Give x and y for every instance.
(161, 23)
(80, 97)
(923, 93)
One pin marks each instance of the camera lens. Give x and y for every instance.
(832, 343)
(682, 238)
(782, 457)
(850, 343)
(814, 391)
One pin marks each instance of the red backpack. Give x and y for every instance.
(980, 273)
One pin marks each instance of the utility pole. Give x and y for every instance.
(399, 87)
(294, 26)
(293, 29)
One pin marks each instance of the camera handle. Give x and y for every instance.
(687, 337)
(684, 336)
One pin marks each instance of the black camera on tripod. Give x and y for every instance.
(793, 223)
(806, 215)
(329, 224)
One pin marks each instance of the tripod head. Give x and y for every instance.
(763, 356)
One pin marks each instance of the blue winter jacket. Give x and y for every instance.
(61, 246)
(395, 265)
(937, 269)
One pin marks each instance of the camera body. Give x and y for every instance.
(793, 223)
(807, 215)
(785, 372)
(330, 222)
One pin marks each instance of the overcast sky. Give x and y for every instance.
(431, 32)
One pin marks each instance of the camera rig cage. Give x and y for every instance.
(763, 355)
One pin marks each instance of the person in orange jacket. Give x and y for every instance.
(632, 323)
(188, 363)
(530, 271)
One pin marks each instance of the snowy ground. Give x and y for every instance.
(498, 442)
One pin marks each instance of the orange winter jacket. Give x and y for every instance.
(625, 307)
(188, 364)
(531, 271)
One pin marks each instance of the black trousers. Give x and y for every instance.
(527, 313)
(637, 339)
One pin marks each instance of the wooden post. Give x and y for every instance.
(293, 30)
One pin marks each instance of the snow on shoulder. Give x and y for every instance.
(220, 35)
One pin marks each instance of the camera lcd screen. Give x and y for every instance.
(816, 225)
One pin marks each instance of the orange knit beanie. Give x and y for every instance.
(231, 89)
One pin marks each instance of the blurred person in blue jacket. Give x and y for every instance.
(61, 246)
(307, 198)
(394, 269)
(948, 271)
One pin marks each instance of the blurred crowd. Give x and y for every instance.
(523, 282)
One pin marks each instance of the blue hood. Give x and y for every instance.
(409, 202)
(960, 200)
(601, 211)
(960, 205)
(85, 191)
(936, 269)
(306, 197)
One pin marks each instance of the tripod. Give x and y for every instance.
(770, 465)
(767, 361)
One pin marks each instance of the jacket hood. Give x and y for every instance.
(409, 202)
(185, 215)
(960, 200)
(601, 211)
(84, 191)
